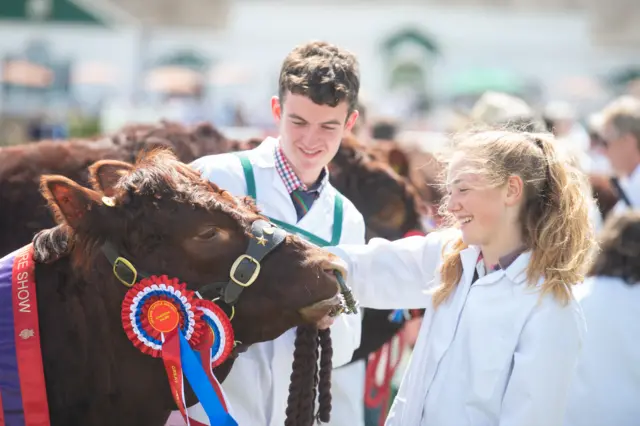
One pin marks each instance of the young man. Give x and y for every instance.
(621, 134)
(288, 178)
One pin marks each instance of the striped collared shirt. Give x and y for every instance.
(301, 195)
(503, 263)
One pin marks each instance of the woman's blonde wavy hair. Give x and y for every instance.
(554, 214)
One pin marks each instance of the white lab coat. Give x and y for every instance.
(489, 355)
(606, 388)
(631, 187)
(347, 395)
(258, 385)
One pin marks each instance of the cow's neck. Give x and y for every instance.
(94, 374)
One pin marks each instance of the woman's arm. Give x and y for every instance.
(393, 274)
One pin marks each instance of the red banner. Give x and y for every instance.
(27, 337)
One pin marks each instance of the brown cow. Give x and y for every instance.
(419, 167)
(166, 220)
(188, 143)
(387, 201)
(23, 212)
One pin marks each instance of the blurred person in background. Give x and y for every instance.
(599, 163)
(606, 387)
(621, 136)
(561, 119)
(501, 110)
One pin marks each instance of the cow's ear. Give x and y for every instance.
(105, 174)
(399, 162)
(70, 202)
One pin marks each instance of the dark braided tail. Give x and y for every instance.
(301, 402)
(326, 354)
(310, 371)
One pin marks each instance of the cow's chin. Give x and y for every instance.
(315, 313)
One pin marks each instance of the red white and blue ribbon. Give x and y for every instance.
(158, 305)
(219, 333)
(164, 319)
(216, 343)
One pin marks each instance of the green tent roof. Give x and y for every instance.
(477, 81)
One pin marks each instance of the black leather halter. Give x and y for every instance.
(246, 268)
(244, 271)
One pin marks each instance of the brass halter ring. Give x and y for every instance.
(233, 309)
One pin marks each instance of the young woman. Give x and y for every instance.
(606, 388)
(501, 333)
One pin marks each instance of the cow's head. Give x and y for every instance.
(165, 219)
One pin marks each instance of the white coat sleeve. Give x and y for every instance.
(346, 331)
(393, 274)
(544, 363)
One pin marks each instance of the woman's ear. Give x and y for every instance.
(69, 201)
(515, 190)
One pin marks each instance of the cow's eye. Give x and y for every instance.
(206, 233)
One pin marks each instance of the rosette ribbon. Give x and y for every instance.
(165, 320)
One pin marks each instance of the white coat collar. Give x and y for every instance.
(263, 153)
(516, 272)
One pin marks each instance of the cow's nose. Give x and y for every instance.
(334, 264)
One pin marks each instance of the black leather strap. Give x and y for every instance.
(247, 268)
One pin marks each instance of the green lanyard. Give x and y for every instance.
(337, 211)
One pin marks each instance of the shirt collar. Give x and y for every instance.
(503, 263)
(291, 181)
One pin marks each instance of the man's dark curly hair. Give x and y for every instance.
(323, 72)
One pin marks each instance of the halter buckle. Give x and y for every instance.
(122, 261)
(253, 276)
